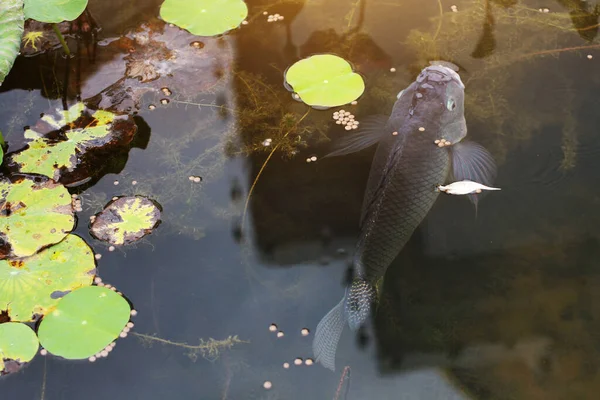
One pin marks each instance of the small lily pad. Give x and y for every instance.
(204, 17)
(84, 322)
(126, 220)
(18, 345)
(324, 81)
(34, 212)
(33, 285)
(71, 147)
(11, 29)
(54, 10)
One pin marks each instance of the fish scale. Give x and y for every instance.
(410, 194)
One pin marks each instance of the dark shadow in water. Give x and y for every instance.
(487, 42)
(584, 17)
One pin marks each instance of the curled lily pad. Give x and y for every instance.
(73, 146)
(11, 29)
(54, 10)
(34, 212)
(84, 322)
(205, 17)
(18, 345)
(324, 81)
(33, 285)
(155, 58)
(126, 220)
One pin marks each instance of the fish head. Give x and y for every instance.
(437, 101)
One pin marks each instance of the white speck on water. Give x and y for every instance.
(286, 365)
(304, 332)
(267, 385)
(134, 183)
(272, 327)
(280, 334)
(308, 361)
(265, 13)
(308, 160)
(98, 256)
(203, 10)
(394, 133)
(354, 103)
(589, 56)
(111, 248)
(84, 322)
(313, 158)
(197, 179)
(392, 69)
(421, 129)
(115, 183)
(325, 81)
(44, 352)
(244, 22)
(298, 361)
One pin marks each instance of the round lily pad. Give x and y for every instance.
(126, 219)
(325, 80)
(34, 284)
(84, 322)
(18, 345)
(54, 10)
(34, 212)
(204, 17)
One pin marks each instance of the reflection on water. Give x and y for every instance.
(498, 306)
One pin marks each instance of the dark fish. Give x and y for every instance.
(418, 145)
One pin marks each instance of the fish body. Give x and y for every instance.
(464, 187)
(407, 168)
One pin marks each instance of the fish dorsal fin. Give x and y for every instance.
(372, 130)
(471, 161)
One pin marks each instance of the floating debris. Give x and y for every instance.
(275, 17)
(286, 365)
(115, 183)
(111, 248)
(421, 129)
(589, 56)
(345, 118)
(280, 334)
(151, 107)
(273, 328)
(308, 361)
(134, 183)
(164, 101)
(464, 187)
(298, 361)
(267, 385)
(304, 332)
(98, 256)
(392, 69)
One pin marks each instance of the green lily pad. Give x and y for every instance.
(34, 212)
(72, 147)
(325, 81)
(126, 220)
(18, 345)
(204, 17)
(11, 29)
(84, 322)
(34, 285)
(54, 10)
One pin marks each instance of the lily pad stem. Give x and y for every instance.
(61, 39)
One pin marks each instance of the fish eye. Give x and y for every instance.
(450, 104)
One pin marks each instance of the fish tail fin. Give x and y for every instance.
(359, 302)
(328, 333)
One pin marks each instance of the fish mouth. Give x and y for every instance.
(440, 73)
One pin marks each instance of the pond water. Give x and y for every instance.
(502, 304)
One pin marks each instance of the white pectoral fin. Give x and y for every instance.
(472, 162)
